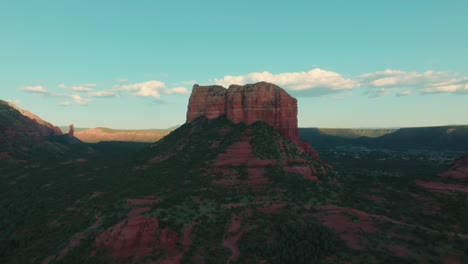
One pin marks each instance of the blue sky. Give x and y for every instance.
(131, 64)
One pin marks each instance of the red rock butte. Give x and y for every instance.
(248, 103)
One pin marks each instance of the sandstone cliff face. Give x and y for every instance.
(249, 103)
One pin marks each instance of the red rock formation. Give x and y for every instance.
(208, 101)
(71, 131)
(249, 103)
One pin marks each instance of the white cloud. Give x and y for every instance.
(451, 88)
(391, 78)
(102, 94)
(65, 103)
(404, 93)
(35, 89)
(80, 100)
(83, 87)
(123, 80)
(177, 90)
(62, 86)
(147, 89)
(424, 82)
(295, 81)
(152, 89)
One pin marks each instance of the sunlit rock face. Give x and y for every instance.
(248, 103)
(27, 122)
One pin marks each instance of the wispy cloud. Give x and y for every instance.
(152, 89)
(65, 103)
(62, 86)
(423, 82)
(404, 93)
(123, 80)
(80, 100)
(102, 94)
(35, 89)
(83, 87)
(177, 90)
(460, 86)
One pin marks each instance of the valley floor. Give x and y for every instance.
(376, 206)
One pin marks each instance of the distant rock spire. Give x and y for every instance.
(71, 131)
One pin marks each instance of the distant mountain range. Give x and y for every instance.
(435, 138)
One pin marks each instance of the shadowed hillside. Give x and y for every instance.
(431, 138)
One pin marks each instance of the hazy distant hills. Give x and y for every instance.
(436, 138)
(356, 132)
(453, 137)
(94, 135)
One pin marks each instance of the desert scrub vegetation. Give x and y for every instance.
(291, 242)
(264, 140)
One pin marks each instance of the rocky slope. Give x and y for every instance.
(24, 135)
(14, 119)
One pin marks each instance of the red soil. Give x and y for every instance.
(445, 188)
(148, 200)
(398, 251)
(234, 205)
(159, 159)
(256, 177)
(459, 169)
(337, 219)
(373, 198)
(235, 224)
(137, 236)
(305, 171)
(232, 241)
(273, 209)
(130, 238)
(349, 230)
(237, 154)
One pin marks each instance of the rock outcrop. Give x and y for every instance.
(249, 103)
